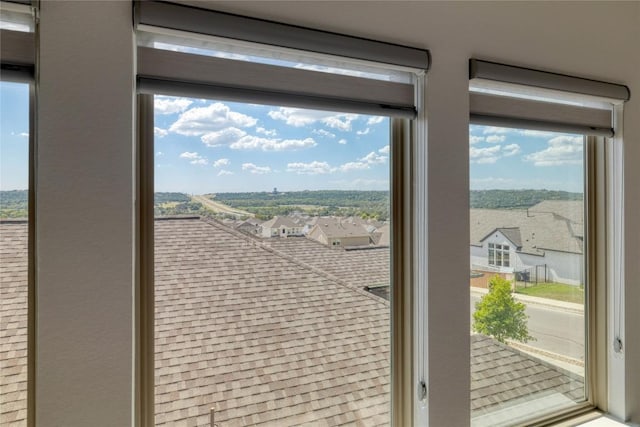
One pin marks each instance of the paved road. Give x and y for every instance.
(555, 330)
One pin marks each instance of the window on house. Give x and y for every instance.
(533, 175)
(250, 329)
(498, 255)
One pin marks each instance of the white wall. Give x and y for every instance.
(84, 215)
(85, 167)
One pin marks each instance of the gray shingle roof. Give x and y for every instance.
(280, 221)
(13, 323)
(336, 227)
(539, 231)
(268, 333)
(261, 337)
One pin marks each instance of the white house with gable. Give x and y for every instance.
(545, 240)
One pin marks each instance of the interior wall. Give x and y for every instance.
(85, 175)
(84, 212)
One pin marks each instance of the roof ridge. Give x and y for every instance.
(296, 261)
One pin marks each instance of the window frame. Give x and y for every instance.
(403, 219)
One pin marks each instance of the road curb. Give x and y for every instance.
(544, 302)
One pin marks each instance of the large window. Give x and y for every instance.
(270, 225)
(527, 243)
(274, 198)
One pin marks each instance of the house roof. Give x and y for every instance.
(338, 228)
(280, 221)
(267, 333)
(573, 210)
(511, 233)
(13, 322)
(539, 231)
(503, 378)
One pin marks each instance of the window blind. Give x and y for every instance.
(17, 42)
(17, 53)
(188, 72)
(552, 102)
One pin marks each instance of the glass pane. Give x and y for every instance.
(527, 294)
(14, 183)
(271, 265)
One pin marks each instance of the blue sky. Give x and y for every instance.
(204, 146)
(210, 146)
(14, 136)
(502, 158)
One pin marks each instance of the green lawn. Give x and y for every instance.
(557, 291)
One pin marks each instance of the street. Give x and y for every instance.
(555, 330)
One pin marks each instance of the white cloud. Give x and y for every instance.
(363, 132)
(510, 150)
(221, 162)
(384, 150)
(258, 170)
(212, 118)
(222, 137)
(475, 139)
(190, 155)
(224, 172)
(374, 158)
(313, 168)
(250, 142)
(342, 141)
(267, 132)
(375, 120)
(299, 117)
(561, 150)
(323, 132)
(159, 154)
(159, 132)
(495, 139)
(341, 121)
(196, 159)
(484, 155)
(493, 129)
(238, 139)
(536, 133)
(351, 166)
(170, 105)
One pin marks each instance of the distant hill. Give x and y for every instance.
(14, 204)
(516, 199)
(374, 204)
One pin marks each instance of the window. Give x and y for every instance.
(16, 217)
(498, 255)
(259, 329)
(14, 234)
(528, 341)
(534, 173)
(310, 339)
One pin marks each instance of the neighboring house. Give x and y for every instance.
(338, 233)
(281, 226)
(284, 344)
(545, 240)
(382, 235)
(250, 226)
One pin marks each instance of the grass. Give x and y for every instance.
(556, 291)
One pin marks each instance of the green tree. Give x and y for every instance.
(499, 315)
